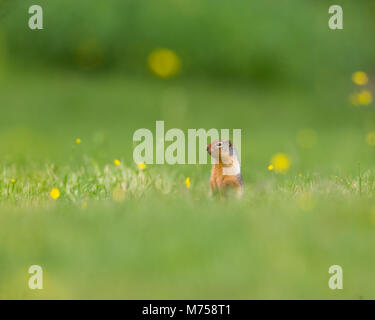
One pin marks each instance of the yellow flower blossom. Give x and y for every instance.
(365, 97)
(117, 162)
(187, 182)
(270, 167)
(370, 139)
(281, 162)
(12, 181)
(141, 166)
(78, 141)
(164, 63)
(360, 78)
(55, 193)
(300, 175)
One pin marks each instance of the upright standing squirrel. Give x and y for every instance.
(226, 171)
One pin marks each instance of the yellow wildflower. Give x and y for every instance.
(78, 141)
(187, 182)
(55, 193)
(300, 175)
(141, 166)
(360, 78)
(164, 63)
(12, 181)
(280, 162)
(365, 97)
(117, 162)
(270, 167)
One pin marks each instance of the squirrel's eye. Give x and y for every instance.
(218, 144)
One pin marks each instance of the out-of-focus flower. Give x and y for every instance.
(187, 182)
(360, 78)
(117, 162)
(281, 162)
(370, 139)
(84, 204)
(365, 97)
(55, 193)
(12, 181)
(78, 141)
(300, 175)
(141, 166)
(270, 167)
(164, 63)
(307, 138)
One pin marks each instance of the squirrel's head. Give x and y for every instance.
(221, 150)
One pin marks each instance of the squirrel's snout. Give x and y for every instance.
(209, 149)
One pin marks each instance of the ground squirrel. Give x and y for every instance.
(226, 172)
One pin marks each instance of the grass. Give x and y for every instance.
(117, 232)
(164, 241)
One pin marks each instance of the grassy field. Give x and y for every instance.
(121, 232)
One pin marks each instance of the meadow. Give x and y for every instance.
(117, 231)
(103, 227)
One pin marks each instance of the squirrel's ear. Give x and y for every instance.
(230, 147)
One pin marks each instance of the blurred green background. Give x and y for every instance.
(100, 70)
(272, 70)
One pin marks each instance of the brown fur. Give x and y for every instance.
(218, 181)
